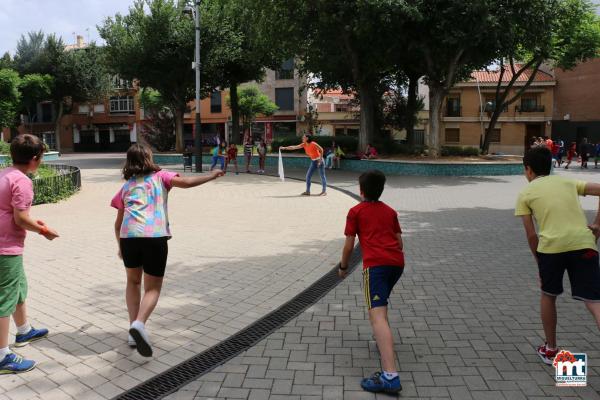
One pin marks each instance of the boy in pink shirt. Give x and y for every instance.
(16, 196)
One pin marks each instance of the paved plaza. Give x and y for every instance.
(464, 314)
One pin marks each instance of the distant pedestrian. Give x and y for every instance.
(16, 197)
(563, 241)
(142, 231)
(261, 149)
(555, 154)
(248, 150)
(315, 152)
(571, 153)
(596, 154)
(561, 151)
(218, 155)
(378, 230)
(584, 153)
(232, 152)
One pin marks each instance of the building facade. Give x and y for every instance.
(576, 105)
(468, 107)
(337, 112)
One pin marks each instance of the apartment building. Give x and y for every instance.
(468, 107)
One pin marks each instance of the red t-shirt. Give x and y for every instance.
(376, 225)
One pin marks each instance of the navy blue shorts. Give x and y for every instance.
(378, 284)
(582, 267)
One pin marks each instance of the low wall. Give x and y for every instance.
(391, 167)
(49, 156)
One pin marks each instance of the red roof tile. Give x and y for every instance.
(493, 76)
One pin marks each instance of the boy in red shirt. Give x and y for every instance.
(379, 233)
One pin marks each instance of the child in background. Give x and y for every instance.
(261, 149)
(142, 231)
(563, 240)
(218, 154)
(16, 196)
(572, 152)
(596, 154)
(232, 152)
(380, 236)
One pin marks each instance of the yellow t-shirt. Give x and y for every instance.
(554, 203)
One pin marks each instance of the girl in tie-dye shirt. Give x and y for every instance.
(142, 231)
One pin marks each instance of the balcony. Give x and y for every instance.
(453, 111)
(523, 108)
(490, 108)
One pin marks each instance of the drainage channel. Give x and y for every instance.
(191, 369)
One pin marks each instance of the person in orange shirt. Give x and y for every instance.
(315, 152)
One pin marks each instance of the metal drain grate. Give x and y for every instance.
(178, 376)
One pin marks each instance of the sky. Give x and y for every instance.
(66, 18)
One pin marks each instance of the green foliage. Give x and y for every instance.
(252, 102)
(6, 62)
(34, 88)
(4, 147)
(50, 185)
(10, 97)
(30, 56)
(460, 151)
(159, 126)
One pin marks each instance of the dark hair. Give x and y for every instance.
(308, 138)
(539, 159)
(26, 147)
(371, 184)
(139, 161)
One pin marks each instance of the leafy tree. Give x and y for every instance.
(344, 44)
(30, 53)
(566, 32)
(9, 97)
(451, 38)
(34, 88)
(159, 123)
(6, 61)
(253, 103)
(154, 43)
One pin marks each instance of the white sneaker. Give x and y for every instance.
(142, 343)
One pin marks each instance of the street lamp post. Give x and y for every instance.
(197, 122)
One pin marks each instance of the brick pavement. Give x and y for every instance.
(464, 315)
(242, 246)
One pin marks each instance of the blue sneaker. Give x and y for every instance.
(378, 383)
(31, 336)
(14, 364)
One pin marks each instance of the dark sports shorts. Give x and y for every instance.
(148, 253)
(378, 284)
(582, 267)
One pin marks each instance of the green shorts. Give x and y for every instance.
(13, 284)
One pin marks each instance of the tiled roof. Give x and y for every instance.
(493, 76)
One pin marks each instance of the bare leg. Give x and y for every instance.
(152, 286)
(383, 337)
(594, 308)
(4, 326)
(133, 293)
(548, 311)
(20, 315)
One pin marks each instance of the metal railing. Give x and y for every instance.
(530, 108)
(49, 189)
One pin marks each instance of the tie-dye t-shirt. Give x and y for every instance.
(144, 201)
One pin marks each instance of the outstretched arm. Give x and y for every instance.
(186, 182)
(532, 237)
(296, 147)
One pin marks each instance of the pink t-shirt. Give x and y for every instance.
(16, 191)
(144, 201)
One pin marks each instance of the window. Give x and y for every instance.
(121, 105)
(452, 135)
(341, 108)
(286, 70)
(495, 136)
(352, 132)
(99, 108)
(490, 105)
(118, 83)
(284, 129)
(339, 132)
(47, 112)
(84, 109)
(453, 106)
(284, 98)
(215, 102)
(530, 104)
(419, 136)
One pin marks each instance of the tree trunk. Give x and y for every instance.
(59, 116)
(235, 114)
(411, 109)
(179, 130)
(367, 115)
(436, 98)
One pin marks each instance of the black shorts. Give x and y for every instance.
(378, 284)
(148, 253)
(582, 267)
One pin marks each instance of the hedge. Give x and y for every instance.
(460, 151)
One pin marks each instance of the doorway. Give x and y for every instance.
(532, 131)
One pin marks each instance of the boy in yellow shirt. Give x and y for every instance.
(564, 240)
